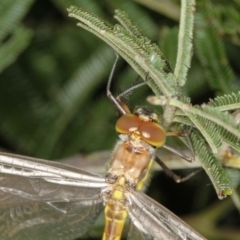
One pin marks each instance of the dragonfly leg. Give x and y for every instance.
(172, 174)
(109, 93)
(116, 100)
(182, 134)
(129, 90)
(173, 150)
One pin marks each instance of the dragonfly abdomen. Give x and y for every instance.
(115, 211)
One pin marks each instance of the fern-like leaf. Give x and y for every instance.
(230, 139)
(209, 130)
(182, 120)
(145, 43)
(138, 52)
(213, 168)
(144, 57)
(123, 19)
(226, 102)
(210, 121)
(185, 41)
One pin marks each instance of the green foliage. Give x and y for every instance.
(226, 102)
(55, 84)
(225, 20)
(214, 125)
(138, 50)
(10, 50)
(212, 166)
(169, 37)
(13, 40)
(209, 47)
(11, 14)
(184, 41)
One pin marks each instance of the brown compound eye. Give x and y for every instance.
(152, 133)
(128, 123)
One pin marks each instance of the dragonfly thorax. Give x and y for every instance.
(131, 157)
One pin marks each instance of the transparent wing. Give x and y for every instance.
(44, 200)
(136, 234)
(153, 221)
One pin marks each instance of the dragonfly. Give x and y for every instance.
(46, 200)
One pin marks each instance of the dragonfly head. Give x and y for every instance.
(144, 124)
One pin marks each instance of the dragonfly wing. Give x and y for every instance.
(47, 221)
(43, 200)
(136, 234)
(154, 220)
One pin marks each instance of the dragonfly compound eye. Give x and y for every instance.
(150, 132)
(128, 123)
